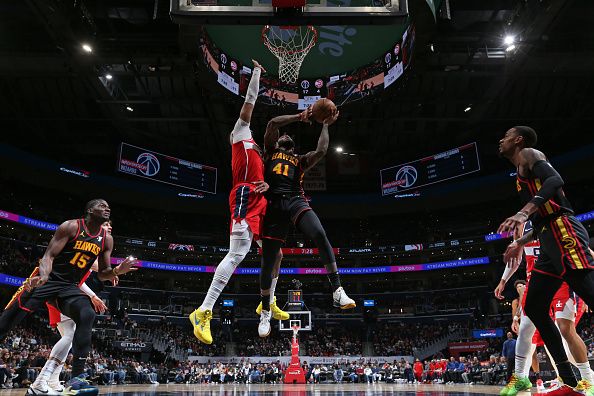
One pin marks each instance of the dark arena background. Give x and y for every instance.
(133, 101)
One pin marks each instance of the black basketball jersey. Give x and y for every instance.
(558, 205)
(75, 260)
(284, 173)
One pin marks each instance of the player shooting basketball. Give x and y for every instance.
(247, 210)
(287, 204)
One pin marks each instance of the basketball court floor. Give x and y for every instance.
(288, 390)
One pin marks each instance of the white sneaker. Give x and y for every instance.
(56, 385)
(342, 300)
(41, 388)
(264, 326)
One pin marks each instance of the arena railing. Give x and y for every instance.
(366, 250)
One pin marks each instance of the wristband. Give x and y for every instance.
(516, 318)
(114, 271)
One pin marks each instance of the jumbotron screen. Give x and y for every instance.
(149, 164)
(429, 170)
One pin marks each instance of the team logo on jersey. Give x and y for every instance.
(150, 164)
(82, 233)
(569, 242)
(99, 238)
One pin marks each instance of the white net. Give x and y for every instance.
(290, 45)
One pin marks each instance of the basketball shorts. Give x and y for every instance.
(55, 316)
(567, 305)
(51, 292)
(564, 244)
(247, 210)
(282, 212)
(537, 339)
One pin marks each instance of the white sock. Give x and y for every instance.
(55, 377)
(585, 371)
(524, 347)
(50, 365)
(272, 287)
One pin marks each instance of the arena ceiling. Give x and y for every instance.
(54, 102)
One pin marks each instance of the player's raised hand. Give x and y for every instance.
(257, 64)
(332, 119)
(126, 266)
(261, 186)
(306, 114)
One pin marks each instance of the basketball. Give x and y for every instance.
(322, 109)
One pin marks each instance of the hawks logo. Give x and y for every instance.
(568, 242)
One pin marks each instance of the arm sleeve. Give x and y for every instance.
(508, 272)
(254, 87)
(551, 181)
(87, 290)
(241, 131)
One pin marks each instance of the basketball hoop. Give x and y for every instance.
(290, 44)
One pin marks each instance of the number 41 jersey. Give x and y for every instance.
(75, 260)
(284, 173)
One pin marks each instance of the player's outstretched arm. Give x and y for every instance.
(241, 129)
(105, 271)
(271, 135)
(64, 233)
(313, 157)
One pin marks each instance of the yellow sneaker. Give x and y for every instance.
(201, 322)
(277, 313)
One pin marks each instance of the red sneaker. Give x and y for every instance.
(563, 390)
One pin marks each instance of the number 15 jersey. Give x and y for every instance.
(79, 254)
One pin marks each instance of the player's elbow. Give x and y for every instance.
(321, 151)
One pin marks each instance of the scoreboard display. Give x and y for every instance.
(163, 168)
(429, 170)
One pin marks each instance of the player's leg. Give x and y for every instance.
(309, 224)
(277, 313)
(539, 295)
(66, 329)
(270, 254)
(240, 242)
(519, 380)
(80, 310)
(21, 304)
(50, 373)
(573, 343)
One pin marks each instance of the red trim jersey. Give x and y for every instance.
(247, 167)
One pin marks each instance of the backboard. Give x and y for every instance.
(315, 12)
(302, 317)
